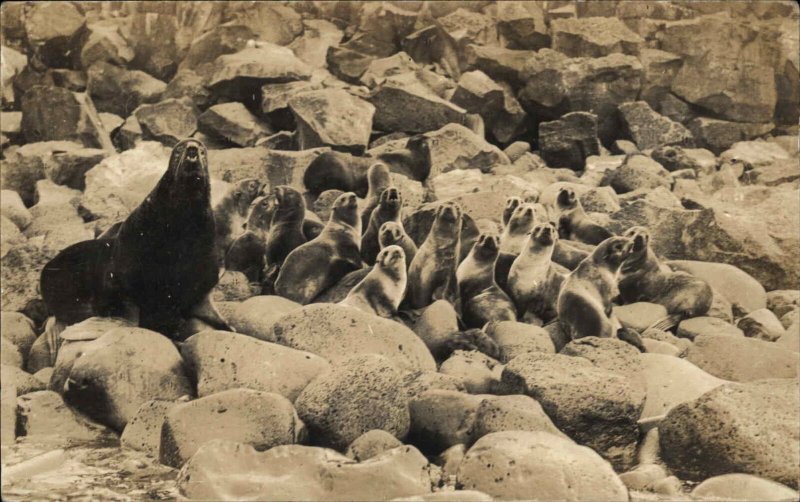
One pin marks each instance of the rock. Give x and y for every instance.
(436, 324)
(371, 444)
(222, 469)
(380, 69)
(781, 301)
(517, 338)
(19, 272)
(516, 150)
(18, 329)
(120, 91)
(660, 68)
(55, 218)
(732, 419)
(773, 173)
(350, 60)
(13, 63)
(188, 84)
(507, 465)
(672, 381)
(466, 27)
(442, 418)
(234, 123)
(11, 205)
(56, 114)
(132, 366)
(275, 97)
(105, 44)
(568, 141)
(639, 316)
(455, 496)
(479, 372)
(318, 36)
(359, 394)
(260, 419)
(755, 153)
(673, 158)
(417, 382)
(594, 37)
(738, 287)
(610, 354)
(456, 147)
(494, 102)
(404, 103)
(25, 383)
(762, 324)
(11, 355)
(696, 326)
(600, 200)
(10, 236)
(167, 121)
(511, 413)
(743, 487)
(643, 477)
(279, 168)
(555, 85)
(332, 118)
(56, 30)
(8, 414)
(256, 316)
(222, 360)
(522, 26)
(718, 135)
(152, 36)
(44, 418)
(565, 386)
(742, 359)
(336, 332)
(498, 62)
(143, 432)
(638, 172)
(648, 129)
(274, 24)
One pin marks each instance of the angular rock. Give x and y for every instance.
(380, 69)
(221, 469)
(220, 360)
(12, 63)
(116, 90)
(336, 333)
(19, 271)
(275, 97)
(57, 31)
(318, 36)
(168, 121)
(105, 44)
(568, 141)
(152, 36)
(538, 465)
(466, 27)
(727, 430)
(755, 153)
(187, 83)
(11, 205)
(522, 26)
(271, 23)
(498, 62)
(143, 432)
(234, 123)
(742, 359)
(332, 118)
(638, 172)
(8, 414)
(359, 394)
(260, 419)
(371, 444)
(594, 37)
(782, 301)
(456, 147)
(278, 167)
(432, 45)
(648, 129)
(350, 60)
(718, 135)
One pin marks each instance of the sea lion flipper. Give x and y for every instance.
(207, 312)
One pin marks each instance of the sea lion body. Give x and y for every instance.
(378, 180)
(584, 303)
(388, 210)
(534, 281)
(432, 273)
(384, 287)
(570, 254)
(230, 214)
(517, 229)
(574, 223)
(392, 233)
(247, 253)
(482, 300)
(644, 278)
(512, 203)
(286, 228)
(320, 263)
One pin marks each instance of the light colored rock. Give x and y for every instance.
(371, 444)
(167, 121)
(11, 355)
(479, 372)
(334, 118)
(649, 129)
(639, 316)
(416, 383)
(517, 338)
(696, 326)
(737, 286)
(755, 153)
(120, 91)
(12, 207)
(25, 383)
(234, 123)
(743, 487)
(256, 316)
(436, 324)
(18, 329)
(762, 324)
(441, 419)
(742, 359)
(44, 418)
(594, 37)
(511, 413)
(672, 381)
(143, 432)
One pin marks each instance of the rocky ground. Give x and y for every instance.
(678, 116)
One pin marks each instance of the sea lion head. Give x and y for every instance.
(612, 252)
(188, 167)
(544, 235)
(448, 213)
(521, 220)
(511, 204)
(487, 247)
(447, 223)
(378, 178)
(289, 204)
(261, 211)
(392, 259)
(566, 198)
(244, 193)
(345, 209)
(641, 241)
(390, 233)
(391, 199)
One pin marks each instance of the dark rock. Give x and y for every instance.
(120, 91)
(234, 123)
(522, 25)
(380, 69)
(152, 36)
(432, 45)
(499, 63)
(594, 37)
(648, 129)
(332, 118)
(167, 121)
(371, 444)
(56, 32)
(350, 60)
(659, 69)
(220, 40)
(719, 135)
(105, 44)
(443, 418)
(568, 141)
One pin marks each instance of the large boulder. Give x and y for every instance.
(28, 164)
(143, 431)
(456, 147)
(56, 218)
(741, 359)
(648, 129)
(337, 332)
(332, 117)
(638, 172)
(18, 329)
(105, 43)
(738, 287)
(260, 419)
(119, 91)
(672, 381)
(743, 487)
(359, 394)
(594, 37)
(538, 465)
(567, 142)
(271, 23)
(44, 418)
(277, 166)
(522, 26)
(718, 135)
(221, 360)
(499, 63)
(318, 36)
(234, 123)
(131, 367)
(442, 418)
(749, 428)
(57, 31)
(222, 470)
(11, 204)
(168, 121)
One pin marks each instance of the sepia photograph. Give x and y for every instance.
(453, 251)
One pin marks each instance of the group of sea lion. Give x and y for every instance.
(160, 264)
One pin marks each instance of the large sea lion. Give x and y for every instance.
(230, 213)
(432, 273)
(160, 266)
(643, 278)
(574, 223)
(393, 234)
(534, 281)
(320, 263)
(378, 180)
(584, 303)
(384, 287)
(388, 210)
(482, 300)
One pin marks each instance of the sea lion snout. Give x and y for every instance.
(545, 234)
(490, 242)
(392, 255)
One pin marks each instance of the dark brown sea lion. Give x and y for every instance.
(482, 300)
(322, 262)
(286, 228)
(230, 213)
(378, 180)
(388, 210)
(584, 303)
(534, 281)
(574, 223)
(393, 233)
(337, 170)
(248, 252)
(643, 278)
(432, 273)
(384, 287)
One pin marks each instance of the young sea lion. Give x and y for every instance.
(388, 209)
(534, 281)
(517, 229)
(432, 273)
(482, 300)
(512, 203)
(393, 234)
(384, 287)
(286, 227)
(584, 303)
(230, 214)
(248, 252)
(321, 262)
(574, 223)
(378, 180)
(643, 278)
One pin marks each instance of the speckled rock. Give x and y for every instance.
(11, 355)
(609, 354)
(672, 381)
(18, 329)
(359, 394)
(256, 316)
(640, 315)
(511, 413)
(743, 487)
(442, 418)
(24, 382)
(736, 285)
(479, 372)
(437, 322)
(742, 359)
(371, 444)
(696, 326)
(782, 301)
(415, 383)
(517, 338)
(143, 432)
